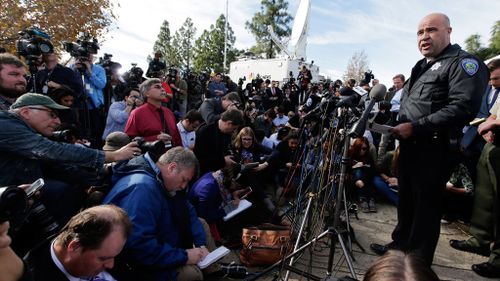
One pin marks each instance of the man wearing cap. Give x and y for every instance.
(12, 81)
(25, 148)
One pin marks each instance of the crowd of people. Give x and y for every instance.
(138, 178)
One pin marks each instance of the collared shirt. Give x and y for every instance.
(495, 109)
(188, 138)
(101, 276)
(145, 122)
(396, 101)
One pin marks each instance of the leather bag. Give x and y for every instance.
(265, 244)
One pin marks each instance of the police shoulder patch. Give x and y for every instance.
(471, 66)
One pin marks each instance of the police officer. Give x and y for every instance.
(442, 95)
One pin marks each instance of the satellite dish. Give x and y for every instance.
(298, 40)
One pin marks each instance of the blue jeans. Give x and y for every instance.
(383, 188)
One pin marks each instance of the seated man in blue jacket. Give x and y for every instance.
(168, 239)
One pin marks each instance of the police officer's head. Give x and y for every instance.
(433, 34)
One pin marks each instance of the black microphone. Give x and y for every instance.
(376, 94)
(325, 105)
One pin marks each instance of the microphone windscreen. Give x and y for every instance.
(378, 92)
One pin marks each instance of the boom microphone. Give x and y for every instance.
(376, 94)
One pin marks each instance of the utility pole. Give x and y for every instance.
(225, 37)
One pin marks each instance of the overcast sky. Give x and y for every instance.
(385, 30)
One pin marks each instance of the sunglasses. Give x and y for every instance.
(52, 114)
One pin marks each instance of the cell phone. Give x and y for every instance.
(34, 187)
(245, 192)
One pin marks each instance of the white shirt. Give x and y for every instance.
(57, 262)
(280, 121)
(396, 101)
(188, 138)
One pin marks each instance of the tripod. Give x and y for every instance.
(334, 232)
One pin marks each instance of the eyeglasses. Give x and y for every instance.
(52, 114)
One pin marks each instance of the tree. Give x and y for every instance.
(183, 43)
(473, 43)
(272, 13)
(356, 67)
(164, 45)
(209, 47)
(62, 20)
(495, 38)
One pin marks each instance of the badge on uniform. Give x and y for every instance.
(470, 66)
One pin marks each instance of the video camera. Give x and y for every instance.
(110, 66)
(156, 69)
(133, 77)
(82, 48)
(32, 43)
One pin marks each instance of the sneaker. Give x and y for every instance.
(364, 207)
(371, 206)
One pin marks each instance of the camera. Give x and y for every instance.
(368, 76)
(241, 80)
(110, 66)
(32, 43)
(82, 48)
(13, 202)
(67, 136)
(133, 77)
(155, 148)
(156, 68)
(172, 73)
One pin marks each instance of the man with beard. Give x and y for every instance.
(12, 81)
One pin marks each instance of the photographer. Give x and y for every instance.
(54, 75)
(119, 112)
(156, 67)
(179, 86)
(25, 148)
(94, 79)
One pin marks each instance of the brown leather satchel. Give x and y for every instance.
(265, 244)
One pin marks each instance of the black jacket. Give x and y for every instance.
(444, 94)
(41, 265)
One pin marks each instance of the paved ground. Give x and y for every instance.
(449, 264)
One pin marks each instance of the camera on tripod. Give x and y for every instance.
(32, 43)
(82, 48)
(110, 66)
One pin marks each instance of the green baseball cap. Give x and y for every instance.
(36, 99)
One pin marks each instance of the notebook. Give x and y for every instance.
(213, 257)
(232, 210)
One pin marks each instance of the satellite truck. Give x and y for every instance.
(289, 63)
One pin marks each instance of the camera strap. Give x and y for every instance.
(164, 127)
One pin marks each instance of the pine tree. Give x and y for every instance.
(272, 13)
(183, 43)
(164, 45)
(209, 47)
